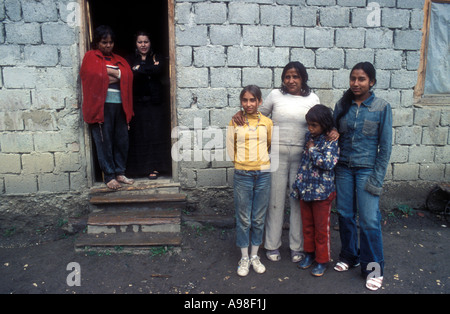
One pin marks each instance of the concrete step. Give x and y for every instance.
(115, 201)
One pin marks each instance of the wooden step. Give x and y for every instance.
(129, 217)
(128, 239)
(113, 201)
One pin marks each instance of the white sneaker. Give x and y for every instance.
(244, 267)
(257, 265)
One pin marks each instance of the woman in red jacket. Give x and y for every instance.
(107, 83)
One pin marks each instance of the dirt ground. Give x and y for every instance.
(417, 257)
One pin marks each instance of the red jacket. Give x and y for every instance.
(95, 82)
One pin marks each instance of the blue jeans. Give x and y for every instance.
(251, 199)
(352, 197)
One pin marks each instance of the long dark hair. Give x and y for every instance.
(102, 32)
(301, 70)
(347, 98)
(323, 115)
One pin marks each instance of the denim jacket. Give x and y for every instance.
(315, 177)
(366, 138)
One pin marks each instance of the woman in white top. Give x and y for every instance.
(287, 107)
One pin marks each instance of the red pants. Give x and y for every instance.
(316, 227)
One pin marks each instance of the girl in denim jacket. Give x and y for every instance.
(364, 122)
(316, 189)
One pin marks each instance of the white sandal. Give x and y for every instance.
(342, 266)
(374, 283)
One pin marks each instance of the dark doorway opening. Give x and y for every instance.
(126, 18)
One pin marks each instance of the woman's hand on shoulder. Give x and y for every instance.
(333, 135)
(238, 118)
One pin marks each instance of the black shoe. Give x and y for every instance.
(319, 269)
(307, 261)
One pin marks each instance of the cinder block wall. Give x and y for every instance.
(42, 154)
(222, 46)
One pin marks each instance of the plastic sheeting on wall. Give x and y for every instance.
(437, 79)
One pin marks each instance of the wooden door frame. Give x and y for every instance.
(85, 39)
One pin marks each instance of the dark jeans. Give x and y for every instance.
(111, 141)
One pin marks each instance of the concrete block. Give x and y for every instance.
(39, 11)
(16, 142)
(341, 78)
(19, 77)
(37, 163)
(11, 121)
(55, 77)
(209, 56)
(212, 98)
(403, 79)
(20, 184)
(442, 155)
(435, 135)
(407, 39)
(187, 178)
(211, 177)
(432, 172)
(410, 4)
(320, 78)
(13, 10)
(379, 38)
(39, 120)
(187, 117)
(58, 34)
(14, 99)
(350, 37)
(417, 19)
(395, 18)
(275, 15)
(366, 18)
(243, 13)
(77, 181)
(10, 163)
(289, 36)
(192, 77)
(388, 59)
(221, 118)
(53, 182)
(225, 77)
(257, 35)
(412, 60)
(258, 76)
(242, 56)
(191, 35)
(210, 13)
(50, 142)
(352, 3)
(67, 162)
(273, 57)
(41, 55)
(304, 16)
(226, 35)
(334, 16)
(408, 135)
(421, 154)
(10, 55)
(184, 56)
(183, 13)
(319, 38)
(23, 33)
(329, 58)
(320, 2)
(402, 117)
(405, 172)
(399, 154)
(303, 55)
(427, 117)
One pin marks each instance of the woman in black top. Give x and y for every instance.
(147, 129)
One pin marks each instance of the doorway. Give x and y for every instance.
(126, 18)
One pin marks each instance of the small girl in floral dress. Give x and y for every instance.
(315, 188)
